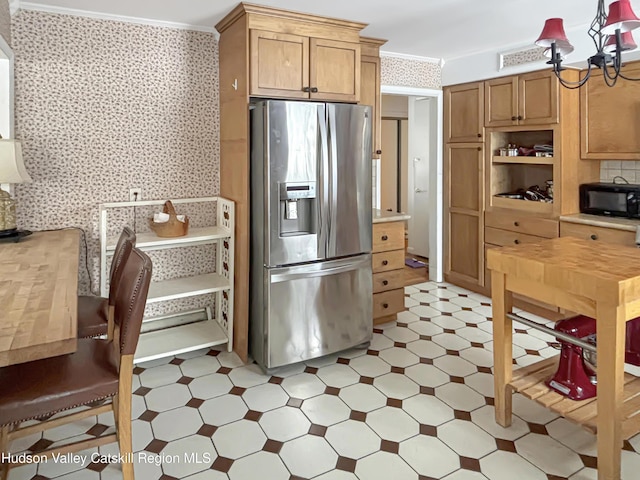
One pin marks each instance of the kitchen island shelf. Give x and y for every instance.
(182, 330)
(529, 381)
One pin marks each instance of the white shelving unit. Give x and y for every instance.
(200, 329)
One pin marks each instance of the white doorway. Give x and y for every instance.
(418, 171)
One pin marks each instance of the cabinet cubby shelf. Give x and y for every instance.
(523, 160)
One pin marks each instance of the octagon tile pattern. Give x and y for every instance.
(417, 405)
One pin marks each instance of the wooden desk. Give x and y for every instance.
(38, 296)
(598, 280)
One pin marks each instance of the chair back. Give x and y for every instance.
(130, 300)
(125, 243)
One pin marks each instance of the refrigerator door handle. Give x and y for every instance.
(333, 179)
(323, 197)
(303, 274)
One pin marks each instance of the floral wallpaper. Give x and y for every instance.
(404, 72)
(105, 106)
(534, 54)
(5, 21)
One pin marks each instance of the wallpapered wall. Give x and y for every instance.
(404, 72)
(103, 106)
(5, 21)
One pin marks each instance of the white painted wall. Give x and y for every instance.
(421, 150)
(484, 65)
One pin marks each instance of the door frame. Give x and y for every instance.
(436, 170)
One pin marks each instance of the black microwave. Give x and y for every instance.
(613, 199)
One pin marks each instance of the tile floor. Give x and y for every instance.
(416, 405)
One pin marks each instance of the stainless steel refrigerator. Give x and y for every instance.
(311, 283)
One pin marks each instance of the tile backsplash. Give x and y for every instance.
(627, 169)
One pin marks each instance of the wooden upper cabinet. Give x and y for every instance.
(334, 70)
(464, 113)
(528, 99)
(300, 67)
(609, 117)
(370, 88)
(279, 64)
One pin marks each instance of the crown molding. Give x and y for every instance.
(405, 56)
(117, 18)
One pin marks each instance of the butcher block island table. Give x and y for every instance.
(38, 296)
(598, 280)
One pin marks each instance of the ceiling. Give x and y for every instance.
(445, 29)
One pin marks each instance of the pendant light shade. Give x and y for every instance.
(628, 43)
(553, 32)
(621, 17)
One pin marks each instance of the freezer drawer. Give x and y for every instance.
(317, 309)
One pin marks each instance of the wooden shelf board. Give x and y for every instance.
(176, 340)
(529, 381)
(186, 287)
(149, 240)
(529, 206)
(524, 160)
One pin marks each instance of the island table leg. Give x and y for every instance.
(501, 300)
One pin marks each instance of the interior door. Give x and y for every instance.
(418, 194)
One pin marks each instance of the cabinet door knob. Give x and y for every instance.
(479, 135)
(479, 149)
(384, 238)
(520, 117)
(385, 305)
(306, 89)
(516, 224)
(385, 262)
(514, 118)
(378, 152)
(516, 241)
(314, 89)
(385, 282)
(594, 237)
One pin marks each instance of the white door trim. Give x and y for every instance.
(436, 227)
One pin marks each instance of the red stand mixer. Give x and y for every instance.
(575, 378)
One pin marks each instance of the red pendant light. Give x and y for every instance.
(611, 35)
(621, 17)
(628, 43)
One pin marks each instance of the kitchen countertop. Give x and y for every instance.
(380, 216)
(627, 224)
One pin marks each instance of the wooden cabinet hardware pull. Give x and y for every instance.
(385, 282)
(516, 241)
(314, 89)
(594, 237)
(306, 89)
(385, 305)
(378, 152)
(384, 238)
(516, 224)
(514, 118)
(385, 262)
(520, 117)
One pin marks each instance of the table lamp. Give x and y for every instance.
(11, 171)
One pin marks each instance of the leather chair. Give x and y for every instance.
(93, 311)
(100, 370)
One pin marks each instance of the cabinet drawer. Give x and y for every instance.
(388, 303)
(388, 236)
(608, 235)
(388, 280)
(540, 227)
(385, 261)
(503, 238)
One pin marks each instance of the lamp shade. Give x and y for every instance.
(11, 165)
(628, 43)
(621, 17)
(553, 32)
